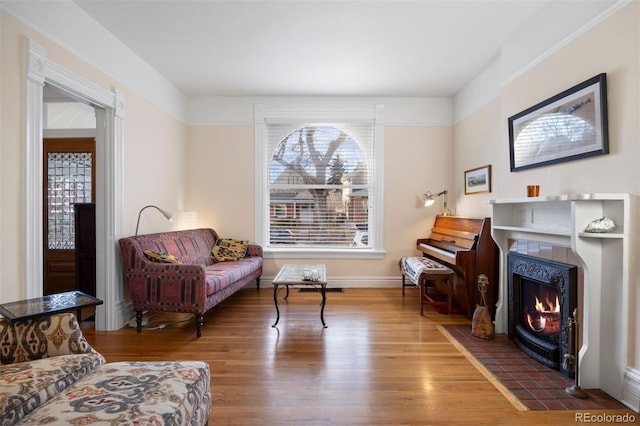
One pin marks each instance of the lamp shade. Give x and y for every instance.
(187, 220)
(430, 198)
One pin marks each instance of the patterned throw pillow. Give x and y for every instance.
(228, 249)
(155, 256)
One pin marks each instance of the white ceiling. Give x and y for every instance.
(313, 47)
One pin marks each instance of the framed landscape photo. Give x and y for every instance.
(568, 126)
(477, 180)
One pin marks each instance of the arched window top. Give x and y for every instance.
(318, 155)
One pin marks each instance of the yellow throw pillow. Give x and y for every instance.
(228, 249)
(155, 256)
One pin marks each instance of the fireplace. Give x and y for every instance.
(553, 227)
(542, 296)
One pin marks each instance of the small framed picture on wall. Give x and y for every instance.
(477, 180)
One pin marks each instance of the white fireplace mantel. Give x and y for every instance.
(561, 220)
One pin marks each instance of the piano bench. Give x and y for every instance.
(423, 272)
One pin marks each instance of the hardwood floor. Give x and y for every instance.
(378, 362)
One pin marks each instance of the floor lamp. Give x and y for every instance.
(166, 214)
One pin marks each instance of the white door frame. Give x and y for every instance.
(109, 107)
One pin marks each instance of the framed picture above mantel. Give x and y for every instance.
(568, 126)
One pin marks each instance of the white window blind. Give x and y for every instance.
(319, 185)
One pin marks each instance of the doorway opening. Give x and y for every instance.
(69, 171)
(108, 107)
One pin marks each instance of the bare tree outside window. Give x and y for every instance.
(320, 174)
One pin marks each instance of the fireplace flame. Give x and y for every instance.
(550, 307)
(546, 318)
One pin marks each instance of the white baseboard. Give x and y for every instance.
(124, 311)
(631, 389)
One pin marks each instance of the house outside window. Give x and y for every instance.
(318, 181)
(279, 210)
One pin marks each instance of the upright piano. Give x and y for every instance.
(466, 246)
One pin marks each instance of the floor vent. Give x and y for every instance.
(317, 290)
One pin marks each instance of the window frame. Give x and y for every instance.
(263, 115)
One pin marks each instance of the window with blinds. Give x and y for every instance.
(319, 181)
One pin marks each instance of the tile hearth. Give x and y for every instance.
(536, 386)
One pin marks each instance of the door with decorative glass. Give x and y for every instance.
(69, 178)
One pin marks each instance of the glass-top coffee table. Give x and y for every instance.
(48, 305)
(301, 275)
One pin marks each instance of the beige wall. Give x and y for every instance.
(611, 47)
(154, 165)
(12, 246)
(153, 152)
(416, 160)
(220, 187)
(219, 179)
(477, 144)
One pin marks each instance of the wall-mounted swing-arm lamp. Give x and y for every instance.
(166, 214)
(430, 198)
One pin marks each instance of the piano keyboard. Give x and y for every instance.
(447, 254)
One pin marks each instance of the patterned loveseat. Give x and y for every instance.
(49, 374)
(184, 276)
